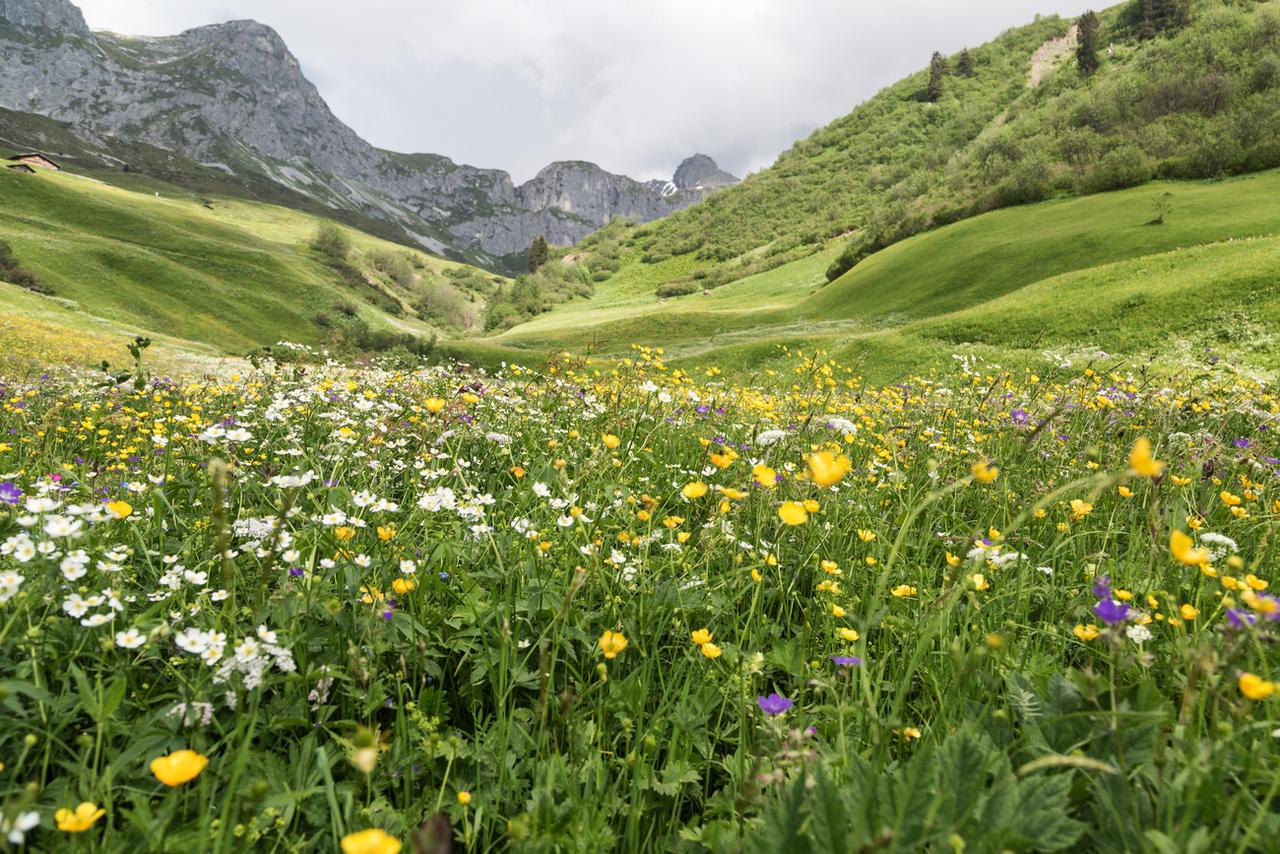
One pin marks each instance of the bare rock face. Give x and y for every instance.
(232, 96)
(701, 172)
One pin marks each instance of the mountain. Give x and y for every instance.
(1198, 97)
(233, 98)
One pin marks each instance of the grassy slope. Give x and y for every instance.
(1201, 101)
(235, 276)
(969, 282)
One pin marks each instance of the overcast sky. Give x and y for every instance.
(634, 85)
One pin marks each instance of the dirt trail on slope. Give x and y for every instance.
(1049, 54)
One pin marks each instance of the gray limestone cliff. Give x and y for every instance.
(233, 97)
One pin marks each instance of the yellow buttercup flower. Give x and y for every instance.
(980, 581)
(1229, 499)
(375, 840)
(1255, 687)
(700, 636)
(827, 469)
(612, 643)
(1182, 548)
(764, 476)
(724, 459)
(983, 472)
(181, 766)
(695, 490)
(1085, 633)
(80, 819)
(903, 590)
(1080, 509)
(710, 650)
(1188, 612)
(610, 441)
(435, 404)
(119, 509)
(1141, 462)
(849, 635)
(792, 513)
(464, 798)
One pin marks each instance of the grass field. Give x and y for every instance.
(232, 275)
(634, 610)
(1013, 280)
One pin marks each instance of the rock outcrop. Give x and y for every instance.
(233, 97)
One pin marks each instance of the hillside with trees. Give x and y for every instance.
(1172, 89)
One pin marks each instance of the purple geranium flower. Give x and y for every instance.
(1238, 618)
(846, 660)
(1241, 443)
(1102, 587)
(1111, 611)
(774, 704)
(10, 493)
(1019, 416)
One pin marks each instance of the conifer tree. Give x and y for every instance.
(1087, 47)
(937, 70)
(964, 65)
(1147, 27)
(538, 253)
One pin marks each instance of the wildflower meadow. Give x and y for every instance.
(632, 607)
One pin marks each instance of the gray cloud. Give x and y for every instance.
(634, 85)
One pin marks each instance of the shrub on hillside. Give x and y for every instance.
(331, 241)
(13, 272)
(397, 266)
(678, 289)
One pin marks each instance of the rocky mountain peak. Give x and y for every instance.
(232, 97)
(54, 16)
(701, 171)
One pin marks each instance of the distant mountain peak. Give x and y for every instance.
(232, 97)
(701, 171)
(57, 16)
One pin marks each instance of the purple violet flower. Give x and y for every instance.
(846, 660)
(1111, 611)
(1102, 587)
(1238, 618)
(10, 493)
(774, 704)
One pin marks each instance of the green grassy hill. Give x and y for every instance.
(229, 273)
(1198, 97)
(1079, 275)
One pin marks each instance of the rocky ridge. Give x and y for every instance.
(233, 97)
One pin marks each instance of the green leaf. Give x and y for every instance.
(114, 697)
(829, 826)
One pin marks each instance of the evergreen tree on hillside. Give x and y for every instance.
(937, 70)
(1087, 48)
(1161, 16)
(964, 65)
(538, 253)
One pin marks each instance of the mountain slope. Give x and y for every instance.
(230, 274)
(1200, 100)
(232, 97)
(1079, 275)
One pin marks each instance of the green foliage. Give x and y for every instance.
(331, 241)
(13, 272)
(1012, 283)
(937, 73)
(375, 597)
(538, 253)
(1087, 42)
(961, 794)
(1200, 101)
